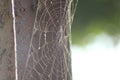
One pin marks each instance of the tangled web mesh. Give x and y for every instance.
(49, 51)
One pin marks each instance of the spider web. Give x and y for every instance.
(49, 51)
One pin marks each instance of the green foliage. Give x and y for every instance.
(94, 17)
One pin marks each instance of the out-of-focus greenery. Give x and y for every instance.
(93, 17)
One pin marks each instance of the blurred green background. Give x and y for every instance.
(93, 17)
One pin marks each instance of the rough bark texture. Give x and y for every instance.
(24, 23)
(43, 42)
(7, 54)
(42, 39)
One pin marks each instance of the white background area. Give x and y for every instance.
(99, 60)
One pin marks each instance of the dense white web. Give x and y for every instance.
(49, 51)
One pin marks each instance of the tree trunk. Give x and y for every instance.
(24, 23)
(42, 40)
(43, 46)
(7, 46)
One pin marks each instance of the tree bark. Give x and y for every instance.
(24, 23)
(7, 45)
(42, 40)
(43, 46)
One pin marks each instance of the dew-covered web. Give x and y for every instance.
(49, 51)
